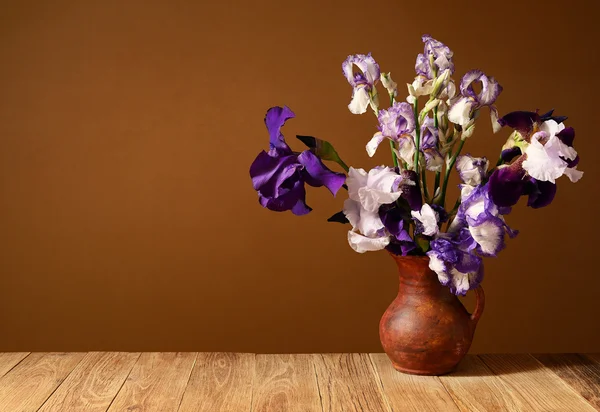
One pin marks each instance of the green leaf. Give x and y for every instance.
(323, 149)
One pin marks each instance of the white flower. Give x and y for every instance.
(460, 111)
(367, 192)
(428, 218)
(471, 169)
(546, 162)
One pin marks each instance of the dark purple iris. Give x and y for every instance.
(508, 184)
(279, 175)
(393, 218)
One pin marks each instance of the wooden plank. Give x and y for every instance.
(581, 373)
(93, 384)
(156, 383)
(347, 382)
(593, 356)
(285, 383)
(474, 388)
(411, 392)
(31, 382)
(220, 382)
(9, 360)
(537, 384)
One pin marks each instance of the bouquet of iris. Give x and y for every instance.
(403, 207)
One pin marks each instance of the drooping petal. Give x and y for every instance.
(292, 199)
(406, 149)
(352, 212)
(460, 111)
(392, 218)
(489, 234)
(360, 100)
(540, 193)
(428, 218)
(274, 120)
(573, 174)
(567, 136)
(374, 143)
(506, 186)
(317, 174)
(410, 189)
(357, 178)
(544, 161)
(362, 244)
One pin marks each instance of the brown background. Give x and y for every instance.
(127, 217)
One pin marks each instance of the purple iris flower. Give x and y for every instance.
(395, 123)
(483, 218)
(429, 142)
(363, 83)
(463, 108)
(509, 183)
(455, 262)
(279, 175)
(441, 55)
(393, 219)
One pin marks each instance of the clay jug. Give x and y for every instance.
(426, 330)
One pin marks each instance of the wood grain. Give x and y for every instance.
(9, 360)
(347, 382)
(285, 383)
(220, 382)
(474, 388)
(156, 383)
(31, 382)
(411, 392)
(581, 373)
(593, 356)
(536, 384)
(93, 384)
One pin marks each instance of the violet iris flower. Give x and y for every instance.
(462, 111)
(441, 57)
(363, 83)
(396, 123)
(280, 174)
(544, 151)
(455, 263)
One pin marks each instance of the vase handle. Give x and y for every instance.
(479, 305)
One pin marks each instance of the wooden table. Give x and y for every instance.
(237, 382)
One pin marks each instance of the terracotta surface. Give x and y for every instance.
(127, 216)
(426, 330)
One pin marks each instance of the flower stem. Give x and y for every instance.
(394, 157)
(392, 144)
(425, 190)
(344, 165)
(418, 137)
(448, 170)
(437, 174)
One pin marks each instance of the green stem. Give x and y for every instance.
(425, 189)
(437, 174)
(418, 137)
(394, 157)
(448, 170)
(392, 144)
(344, 165)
